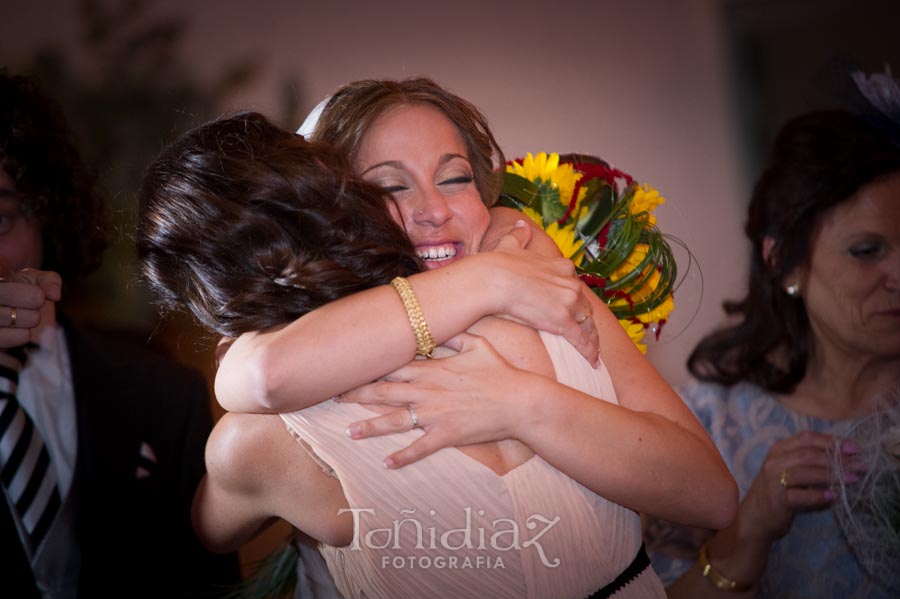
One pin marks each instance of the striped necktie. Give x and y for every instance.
(28, 477)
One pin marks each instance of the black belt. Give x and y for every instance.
(640, 563)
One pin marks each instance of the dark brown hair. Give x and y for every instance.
(57, 189)
(819, 160)
(353, 109)
(249, 226)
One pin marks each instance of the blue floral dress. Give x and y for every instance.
(813, 560)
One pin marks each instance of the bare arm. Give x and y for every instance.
(359, 338)
(256, 473)
(648, 453)
(658, 432)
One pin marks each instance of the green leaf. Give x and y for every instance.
(519, 190)
(551, 208)
(541, 197)
(600, 200)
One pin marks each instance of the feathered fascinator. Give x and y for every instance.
(878, 101)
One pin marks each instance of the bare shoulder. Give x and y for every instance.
(243, 447)
(519, 344)
(504, 217)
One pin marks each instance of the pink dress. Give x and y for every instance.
(448, 526)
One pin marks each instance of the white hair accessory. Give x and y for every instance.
(309, 124)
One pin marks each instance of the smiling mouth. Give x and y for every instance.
(437, 253)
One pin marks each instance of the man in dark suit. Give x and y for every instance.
(124, 427)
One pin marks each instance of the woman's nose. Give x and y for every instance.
(892, 280)
(431, 208)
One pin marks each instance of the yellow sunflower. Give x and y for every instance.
(565, 239)
(638, 254)
(629, 265)
(545, 168)
(636, 332)
(660, 312)
(646, 199)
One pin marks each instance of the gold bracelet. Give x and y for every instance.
(424, 341)
(719, 581)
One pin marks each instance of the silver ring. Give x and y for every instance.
(412, 413)
(12, 316)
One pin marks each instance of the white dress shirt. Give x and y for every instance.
(47, 394)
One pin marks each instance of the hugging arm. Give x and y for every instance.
(256, 474)
(650, 448)
(359, 338)
(649, 453)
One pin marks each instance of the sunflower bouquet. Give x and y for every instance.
(601, 219)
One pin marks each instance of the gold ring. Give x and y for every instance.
(587, 314)
(783, 479)
(412, 413)
(12, 316)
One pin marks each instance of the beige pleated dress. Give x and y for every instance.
(448, 526)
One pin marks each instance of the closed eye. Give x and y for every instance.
(867, 251)
(461, 180)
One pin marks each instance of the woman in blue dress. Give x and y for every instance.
(812, 347)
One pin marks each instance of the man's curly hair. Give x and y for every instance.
(58, 190)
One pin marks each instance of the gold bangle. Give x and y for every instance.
(424, 341)
(719, 581)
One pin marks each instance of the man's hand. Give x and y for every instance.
(27, 300)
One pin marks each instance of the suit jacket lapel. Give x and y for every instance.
(104, 439)
(18, 579)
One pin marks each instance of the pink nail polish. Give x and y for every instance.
(849, 447)
(829, 494)
(353, 431)
(388, 463)
(857, 466)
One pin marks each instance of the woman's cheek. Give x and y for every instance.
(396, 214)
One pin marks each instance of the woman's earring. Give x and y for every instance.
(792, 290)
